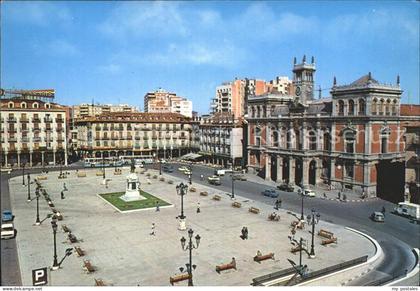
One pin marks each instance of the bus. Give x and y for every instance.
(97, 162)
(138, 159)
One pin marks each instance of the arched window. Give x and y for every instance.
(394, 107)
(384, 143)
(47, 105)
(298, 140)
(375, 106)
(253, 111)
(381, 107)
(264, 111)
(362, 107)
(312, 140)
(10, 105)
(258, 136)
(274, 137)
(35, 105)
(23, 105)
(351, 107)
(349, 140)
(327, 141)
(340, 107)
(388, 107)
(258, 111)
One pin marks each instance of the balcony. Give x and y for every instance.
(60, 139)
(48, 129)
(48, 120)
(24, 120)
(137, 137)
(105, 138)
(114, 137)
(25, 139)
(36, 119)
(59, 120)
(12, 139)
(11, 120)
(11, 130)
(36, 139)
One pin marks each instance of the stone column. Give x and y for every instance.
(54, 152)
(279, 169)
(267, 167)
(305, 172)
(18, 159)
(318, 180)
(30, 159)
(292, 170)
(42, 158)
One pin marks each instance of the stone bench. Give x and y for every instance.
(81, 174)
(65, 228)
(193, 189)
(295, 249)
(254, 210)
(224, 267)
(217, 197)
(204, 193)
(87, 266)
(99, 282)
(297, 224)
(72, 238)
(329, 241)
(99, 173)
(264, 257)
(236, 204)
(39, 178)
(79, 251)
(179, 278)
(274, 217)
(325, 233)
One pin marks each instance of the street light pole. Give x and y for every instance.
(160, 167)
(190, 174)
(302, 218)
(189, 248)
(29, 188)
(313, 219)
(233, 187)
(38, 222)
(23, 174)
(103, 167)
(181, 189)
(54, 227)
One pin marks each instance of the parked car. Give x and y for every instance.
(214, 180)
(309, 193)
(408, 209)
(188, 172)
(270, 193)
(377, 216)
(7, 230)
(285, 187)
(7, 215)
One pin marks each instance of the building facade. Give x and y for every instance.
(166, 135)
(85, 109)
(352, 140)
(162, 101)
(33, 132)
(221, 139)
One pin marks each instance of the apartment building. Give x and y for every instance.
(162, 101)
(120, 134)
(33, 132)
(85, 109)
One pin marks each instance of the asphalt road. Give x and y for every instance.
(397, 236)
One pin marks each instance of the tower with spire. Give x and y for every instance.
(303, 79)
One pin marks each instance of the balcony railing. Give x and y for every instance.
(36, 139)
(25, 139)
(11, 120)
(59, 120)
(48, 120)
(24, 120)
(12, 139)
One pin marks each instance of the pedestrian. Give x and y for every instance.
(153, 229)
(325, 195)
(157, 205)
(64, 187)
(339, 195)
(198, 207)
(243, 233)
(246, 232)
(383, 210)
(62, 194)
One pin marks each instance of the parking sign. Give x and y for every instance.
(39, 277)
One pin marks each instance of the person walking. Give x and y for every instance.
(198, 207)
(157, 206)
(153, 229)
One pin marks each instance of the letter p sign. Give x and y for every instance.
(39, 277)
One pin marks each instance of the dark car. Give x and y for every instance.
(270, 193)
(285, 187)
(168, 168)
(7, 216)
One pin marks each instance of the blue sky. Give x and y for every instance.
(115, 52)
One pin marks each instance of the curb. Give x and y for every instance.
(412, 273)
(377, 255)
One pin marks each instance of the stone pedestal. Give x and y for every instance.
(132, 191)
(182, 224)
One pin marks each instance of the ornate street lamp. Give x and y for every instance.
(189, 248)
(190, 174)
(160, 167)
(181, 190)
(23, 174)
(29, 188)
(313, 219)
(54, 228)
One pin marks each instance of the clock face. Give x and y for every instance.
(298, 91)
(309, 88)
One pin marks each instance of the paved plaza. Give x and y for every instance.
(123, 252)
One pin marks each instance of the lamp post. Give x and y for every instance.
(313, 219)
(23, 174)
(182, 189)
(190, 174)
(38, 222)
(29, 188)
(233, 185)
(54, 228)
(160, 167)
(103, 167)
(300, 192)
(189, 248)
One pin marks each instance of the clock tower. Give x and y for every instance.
(303, 79)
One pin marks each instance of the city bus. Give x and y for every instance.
(97, 162)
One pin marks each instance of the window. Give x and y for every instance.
(289, 139)
(349, 170)
(362, 107)
(375, 106)
(23, 105)
(340, 107)
(351, 107)
(47, 105)
(394, 107)
(384, 144)
(273, 110)
(312, 140)
(258, 111)
(388, 107)
(381, 107)
(327, 141)
(274, 137)
(298, 140)
(349, 139)
(10, 105)
(35, 105)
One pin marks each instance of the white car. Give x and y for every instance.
(7, 231)
(183, 169)
(309, 193)
(187, 172)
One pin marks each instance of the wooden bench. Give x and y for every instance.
(295, 249)
(79, 251)
(297, 224)
(65, 228)
(193, 189)
(329, 241)
(217, 197)
(99, 282)
(72, 238)
(264, 257)
(274, 217)
(254, 210)
(99, 173)
(204, 193)
(178, 278)
(118, 172)
(81, 174)
(224, 267)
(326, 234)
(39, 178)
(236, 204)
(88, 266)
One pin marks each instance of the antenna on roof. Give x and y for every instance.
(370, 76)
(294, 61)
(398, 79)
(335, 81)
(319, 90)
